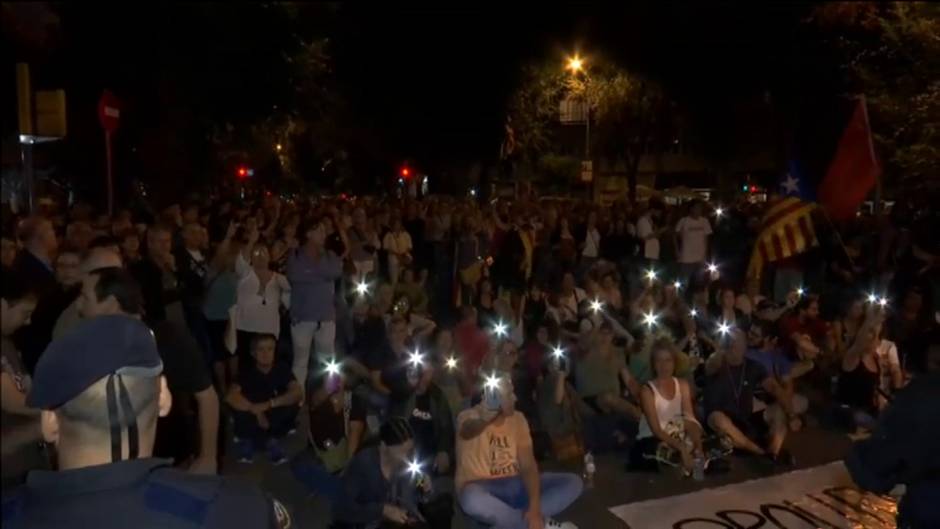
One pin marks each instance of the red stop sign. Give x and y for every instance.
(109, 111)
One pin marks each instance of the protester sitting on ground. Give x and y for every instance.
(449, 375)
(600, 373)
(377, 488)
(264, 400)
(641, 363)
(763, 349)
(92, 385)
(388, 368)
(431, 420)
(337, 428)
(414, 291)
(727, 312)
(805, 336)
(730, 404)
(498, 480)
(860, 382)
(846, 328)
(183, 437)
(668, 414)
(20, 426)
(560, 408)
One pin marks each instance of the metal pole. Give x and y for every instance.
(26, 156)
(107, 153)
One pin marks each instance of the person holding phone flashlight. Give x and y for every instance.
(498, 482)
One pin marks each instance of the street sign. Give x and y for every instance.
(109, 111)
(50, 113)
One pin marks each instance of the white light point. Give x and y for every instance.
(416, 358)
(651, 275)
(501, 329)
(724, 328)
(650, 319)
(451, 363)
(596, 305)
(332, 367)
(362, 288)
(491, 382)
(712, 268)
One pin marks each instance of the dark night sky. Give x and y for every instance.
(427, 83)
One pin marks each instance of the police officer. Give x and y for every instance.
(100, 388)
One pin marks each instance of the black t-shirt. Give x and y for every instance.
(731, 389)
(158, 291)
(327, 423)
(370, 338)
(261, 387)
(422, 423)
(183, 363)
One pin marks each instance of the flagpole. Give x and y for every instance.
(876, 210)
(832, 226)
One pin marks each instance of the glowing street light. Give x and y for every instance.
(575, 64)
(650, 319)
(451, 363)
(596, 306)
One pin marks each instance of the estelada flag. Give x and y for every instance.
(786, 230)
(854, 169)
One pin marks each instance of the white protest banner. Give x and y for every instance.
(819, 497)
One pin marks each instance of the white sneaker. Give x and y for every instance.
(551, 523)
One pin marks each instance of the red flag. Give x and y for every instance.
(853, 170)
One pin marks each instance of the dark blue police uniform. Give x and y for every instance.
(131, 492)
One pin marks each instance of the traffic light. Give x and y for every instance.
(744, 188)
(753, 189)
(405, 172)
(241, 172)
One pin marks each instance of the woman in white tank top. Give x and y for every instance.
(668, 416)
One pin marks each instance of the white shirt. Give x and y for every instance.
(592, 243)
(693, 235)
(259, 312)
(644, 228)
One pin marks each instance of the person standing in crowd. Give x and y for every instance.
(668, 414)
(34, 266)
(312, 271)
(498, 480)
(265, 399)
(397, 243)
(220, 295)
(260, 295)
(363, 245)
(187, 373)
(692, 233)
(590, 245)
(191, 267)
(99, 381)
(20, 423)
(649, 231)
(730, 405)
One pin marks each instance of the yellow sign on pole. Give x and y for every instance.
(50, 113)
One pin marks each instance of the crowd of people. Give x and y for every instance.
(436, 352)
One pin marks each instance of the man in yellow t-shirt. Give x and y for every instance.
(498, 481)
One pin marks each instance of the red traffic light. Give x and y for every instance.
(405, 172)
(753, 189)
(241, 172)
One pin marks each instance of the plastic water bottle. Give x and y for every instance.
(589, 470)
(698, 468)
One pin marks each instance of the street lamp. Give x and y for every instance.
(575, 64)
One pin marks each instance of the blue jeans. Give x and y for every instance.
(502, 503)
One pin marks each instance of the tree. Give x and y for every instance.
(627, 112)
(891, 55)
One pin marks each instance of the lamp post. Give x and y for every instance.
(576, 65)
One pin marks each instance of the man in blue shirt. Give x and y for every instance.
(312, 271)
